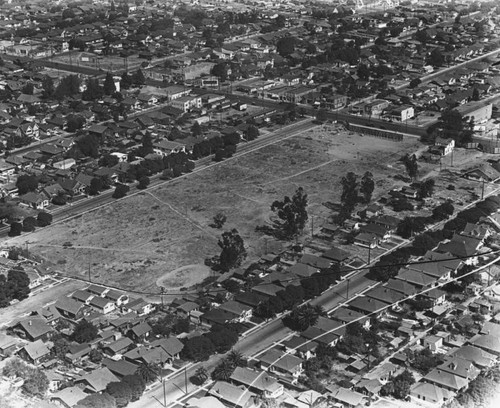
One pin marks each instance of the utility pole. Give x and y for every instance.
(312, 226)
(348, 280)
(90, 257)
(482, 188)
(369, 253)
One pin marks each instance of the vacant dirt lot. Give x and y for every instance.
(134, 242)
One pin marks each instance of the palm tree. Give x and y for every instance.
(307, 316)
(235, 358)
(223, 371)
(149, 372)
(201, 374)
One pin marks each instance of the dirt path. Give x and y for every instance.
(183, 277)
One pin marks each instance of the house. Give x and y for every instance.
(479, 357)
(385, 294)
(369, 306)
(348, 398)
(461, 246)
(242, 312)
(345, 315)
(68, 397)
(232, 395)
(444, 145)
(185, 309)
(446, 380)
(82, 296)
(140, 332)
(119, 298)
(483, 172)
(217, 316)
(70, 308)
(251, 299)
(337, 255)
(32, 329)
(301, 346)
(367, 240)
(433, 343)
(460, 367)
(303, 270)
(102, 305)
(120, 368)
(171, 346)
(140, 306)
(97, 290)
(486, 342)
(166, 147)
(284, 365)
(120, 346)
(430, 393)
(187, 103)
(416, 278)
(35, 352)
(77, 351)
(72, 186)
(315, 261)
(204, 402)
(96, 381)
(35, 200)
(259, 382)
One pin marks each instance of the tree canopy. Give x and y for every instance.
(233, 251)
(292, 214)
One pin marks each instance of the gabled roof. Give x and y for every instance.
(69, 396)
(69, 305)
(460, 246)
(141, 329)
(35, 326)
(172, 345)
(459, 366)
(315, 261)
(430, 392)
(279, 359)
(235, 396)
(351, 398)
(119, 345)
(367, 305)
(486, 342)
(36, 350)
(235, 307)
(385, 294)
(415, 277)
(336, 254)
(259, 380)
(98, 379)
(303, 270)
(120, 368)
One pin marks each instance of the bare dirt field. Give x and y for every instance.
(136, 241)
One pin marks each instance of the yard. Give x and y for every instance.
(136, 241)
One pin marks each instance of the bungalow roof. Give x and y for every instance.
(460, 246)
(336, 254)
(345, 315)
(236, 396)
(69, 396)
(315, 261)
(486, 342)
(474, 354)
(348, 397)
(259, 380)
(284, 362)
(235, 307)
(69, 305)
(367, 305)
(250, 298)
(98, 379)
(303, 270)
(430, 392)
(415, 278)
(36, 350)
(385, 294)
(172, 345)
(119, 345)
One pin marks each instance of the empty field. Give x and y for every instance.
(139, 241)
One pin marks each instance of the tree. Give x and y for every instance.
(322, 115)
(138, 78)
(409, 226)
(425, 189)
(252, 133)
(219, 220)
(28, 89)
(95, 356)
(29, 224)
(148, 372)
(96, 185)
(44, 219)
(349, 196)
(93, 90)
(121, 392)
(286, 46)
(126, 81)
(415, 82)
(103, 400)
(367, 186)
(136, 384)
(201, 374)
(475, 94)
(411, 165)
(15, 229)
(143, 182)
(196, 129)
(220, 70)
(26, 183)
(60, 346)
(121, 191)
(436, 58)
(235, 357)
(222, 338)
(233, 250)
(48, 88)
(36, 384)
(223, 371)
(84, 332)
(292, 214)
(198, 348)
(301, 318)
